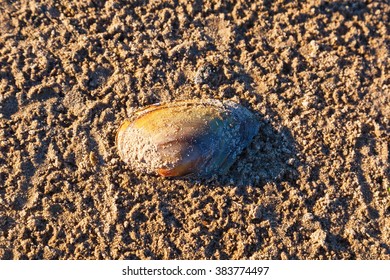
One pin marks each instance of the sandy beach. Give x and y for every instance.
(313, 184)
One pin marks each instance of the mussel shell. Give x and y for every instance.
(201, 138)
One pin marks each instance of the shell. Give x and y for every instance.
(201, 138)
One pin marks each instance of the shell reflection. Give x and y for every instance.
(201, 138)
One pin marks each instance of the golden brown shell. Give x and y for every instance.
(186, 137)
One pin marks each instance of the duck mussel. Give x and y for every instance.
(197, 138)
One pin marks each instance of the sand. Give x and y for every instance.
(313, 184)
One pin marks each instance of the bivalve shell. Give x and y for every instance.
(200, 138)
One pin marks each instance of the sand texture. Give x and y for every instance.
(313, 184)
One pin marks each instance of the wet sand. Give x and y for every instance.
(313, 184)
